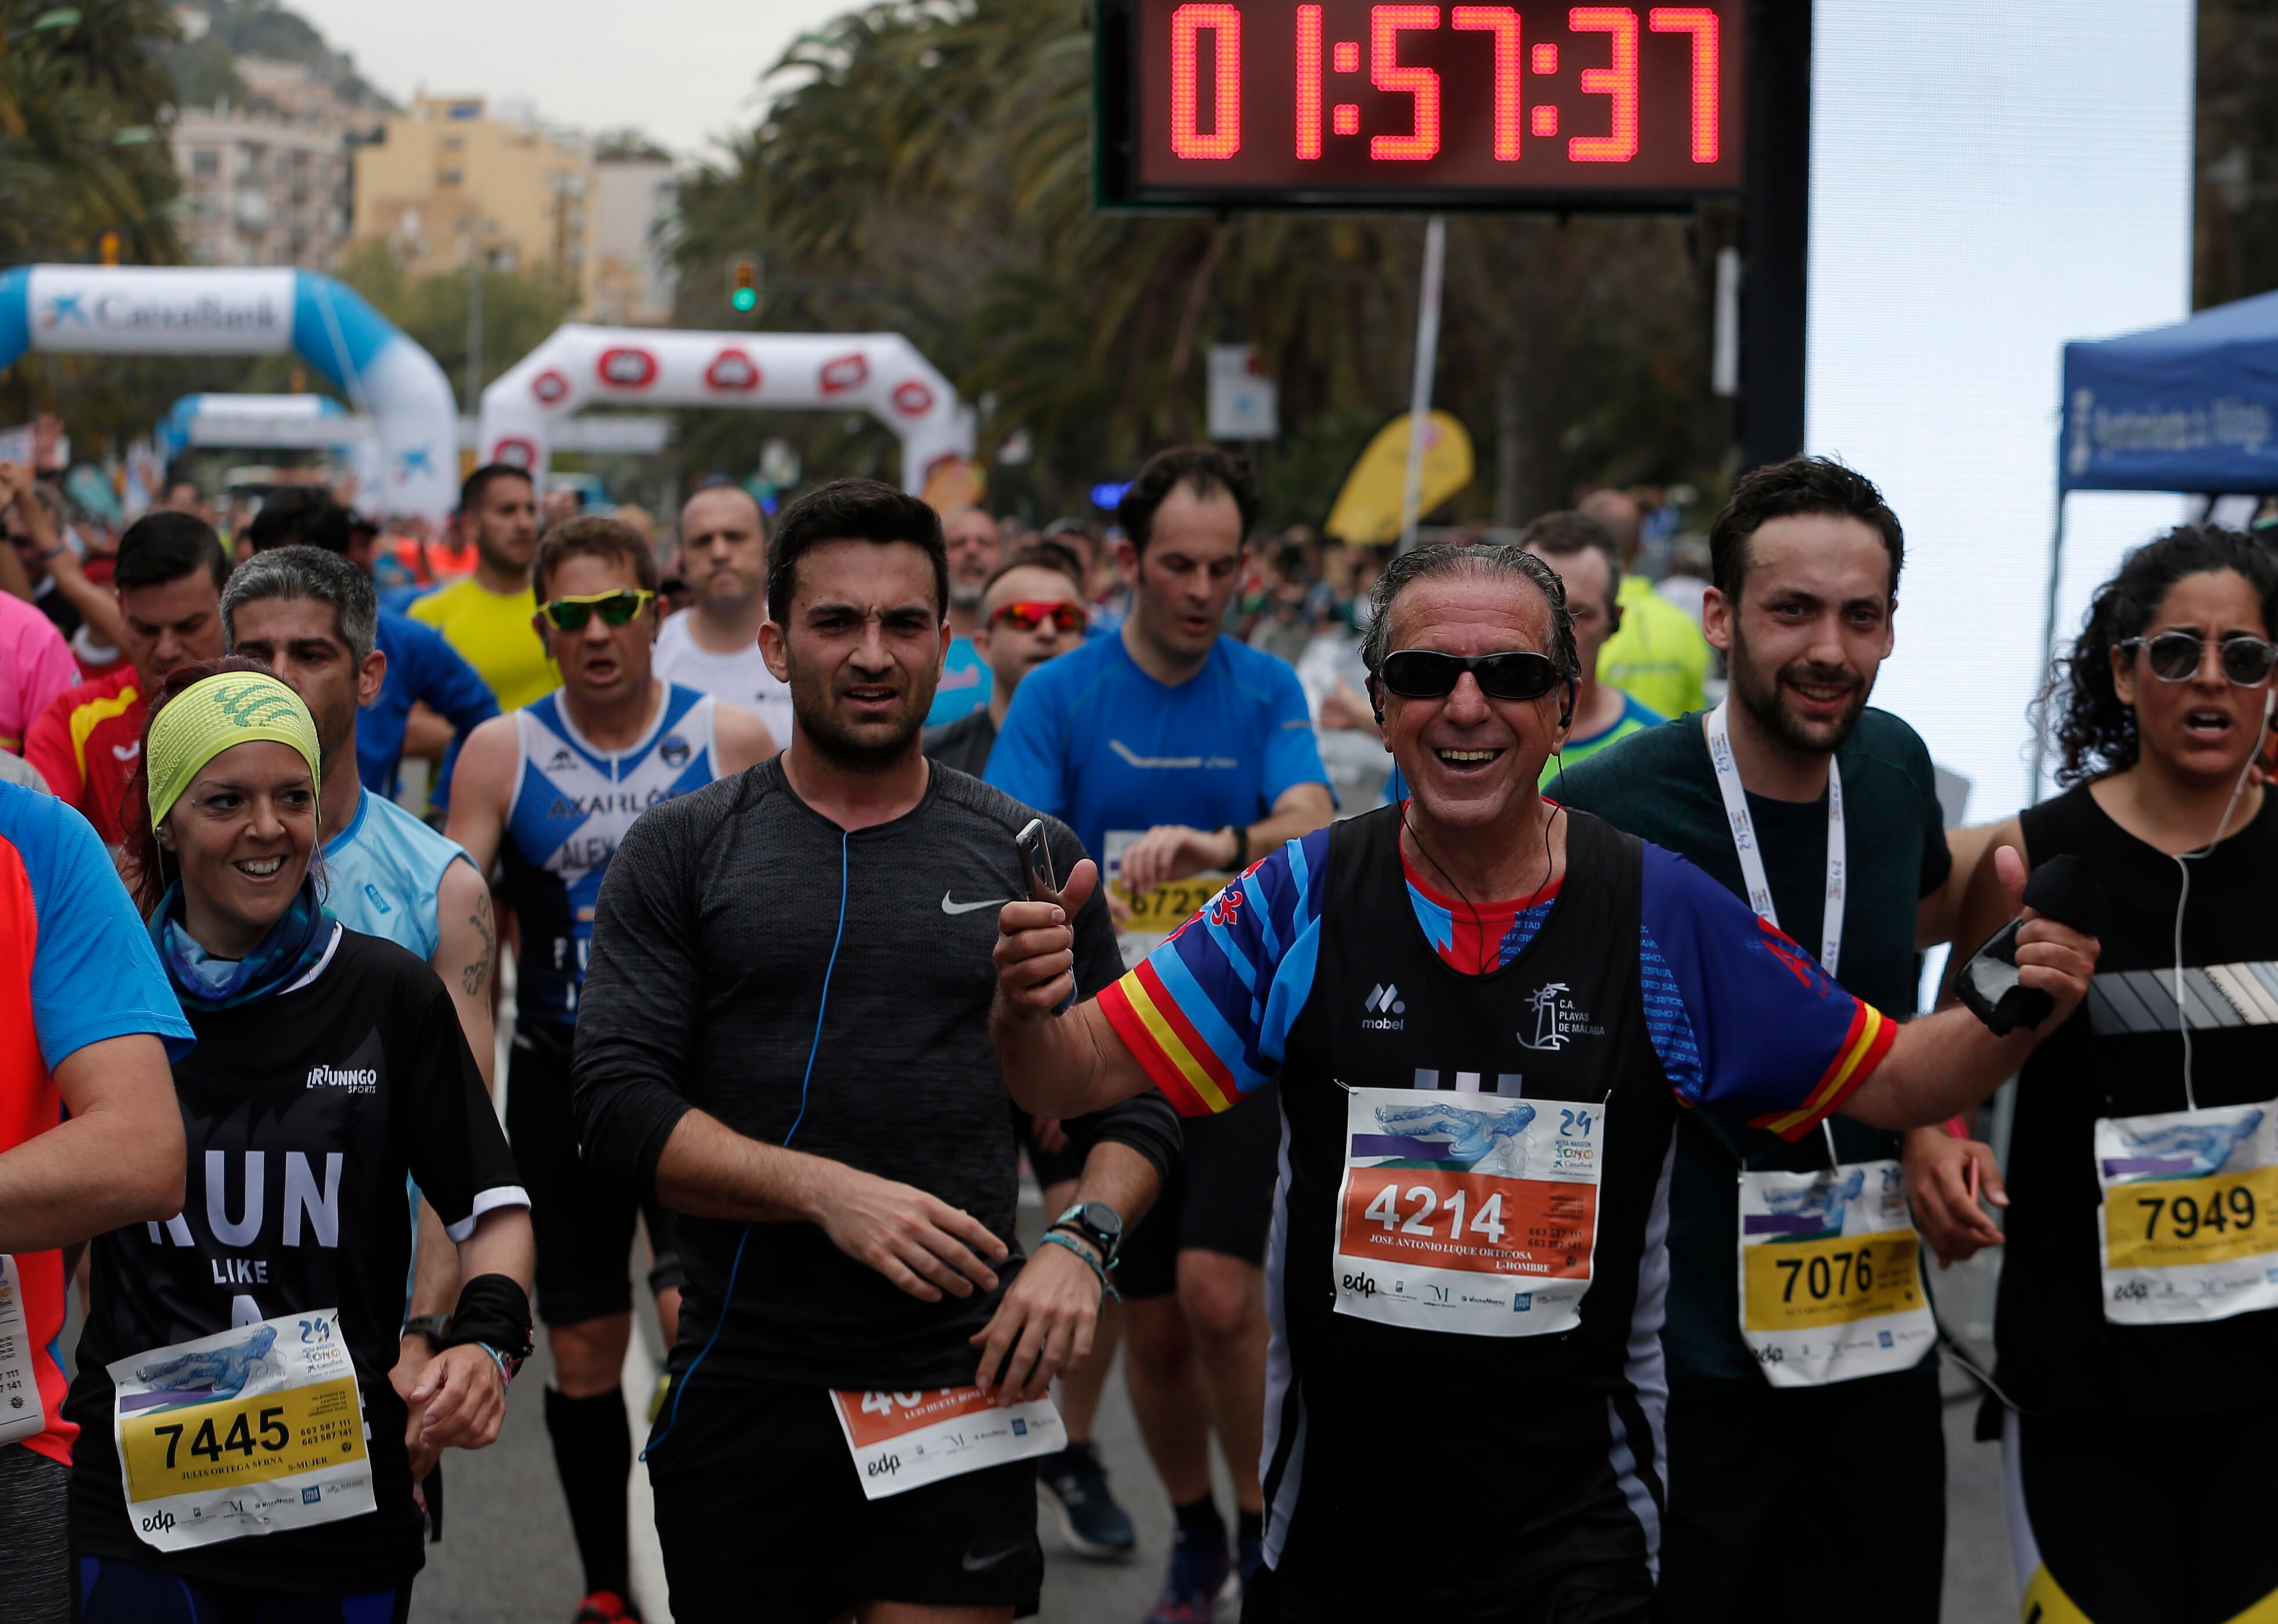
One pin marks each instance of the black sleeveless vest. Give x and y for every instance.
(1554, 1436)
(2121, 1054)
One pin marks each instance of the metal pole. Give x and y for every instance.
(2048, 651)
(1427, 358)
(474, 329)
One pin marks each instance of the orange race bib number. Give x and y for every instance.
(901, 1441)
(1469, 1213)
(2188, 1225)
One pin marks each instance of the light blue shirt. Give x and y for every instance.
(382, 873)
(965, 684)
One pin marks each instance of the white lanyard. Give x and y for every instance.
(1752, 857)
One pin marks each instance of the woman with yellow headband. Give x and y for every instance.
(233, 1373)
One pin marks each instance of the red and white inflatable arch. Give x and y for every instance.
(881, 373)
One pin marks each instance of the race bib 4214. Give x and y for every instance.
(1468, 1212)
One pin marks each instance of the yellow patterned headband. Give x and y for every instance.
(208, 717)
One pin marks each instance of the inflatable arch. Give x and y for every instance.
(881, 373)
(173, 310)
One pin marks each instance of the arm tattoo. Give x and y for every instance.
(476, 976)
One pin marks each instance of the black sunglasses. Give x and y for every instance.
(2176, 656)
(1424, 673)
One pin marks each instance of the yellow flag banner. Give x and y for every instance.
(1367, 512)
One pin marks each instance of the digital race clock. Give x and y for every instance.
(1342, 103)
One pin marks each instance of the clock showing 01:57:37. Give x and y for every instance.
(1343, 103)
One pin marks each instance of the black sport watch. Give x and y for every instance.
(432, 1326)
(1098, 1224)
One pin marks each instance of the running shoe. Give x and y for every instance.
(605, 1607)
(1074, 1485)
(1198, 1572)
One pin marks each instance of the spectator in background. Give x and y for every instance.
(715, 646)
(1031, 611)
(87, 743)
(970, 534)
(54, 579)
(430, 698)
(35, 666)
(1659, 657)
(1582, 555)
(1686, 584)
(86, 1023)
(487, 616)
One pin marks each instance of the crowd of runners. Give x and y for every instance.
(1518, 1183)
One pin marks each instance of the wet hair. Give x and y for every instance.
(1800, 485)
(293, 518)
(1563, 534)
(1202, 470)
(2095, 732)
(167, 546)
(852, 511)
(470, 493)
(1427, 563)
(591, 536)
(311, 573)
(145, 866)
(1038, 555)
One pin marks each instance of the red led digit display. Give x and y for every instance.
(1366, 105)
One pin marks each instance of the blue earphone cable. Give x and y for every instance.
(814, 1048)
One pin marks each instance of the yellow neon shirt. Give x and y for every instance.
(494, 633)
(1659, 657)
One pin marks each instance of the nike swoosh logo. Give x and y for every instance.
(982, 1564)
(948, 906)
(127, 753)
(1172, 763)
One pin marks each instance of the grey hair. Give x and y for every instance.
(1427, 563)
(307, 572)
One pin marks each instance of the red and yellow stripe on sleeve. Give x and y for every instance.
(1165, 1042)
(1872, 1032)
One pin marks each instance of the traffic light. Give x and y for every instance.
(744, 284)
(107, 246)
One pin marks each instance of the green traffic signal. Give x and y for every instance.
(745, 299)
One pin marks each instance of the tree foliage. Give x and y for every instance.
(926, 166)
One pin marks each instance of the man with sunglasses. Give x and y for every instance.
(1031, 611)
(1486, 1014)
(1173, 750)
(551, 789)
(1845, 852)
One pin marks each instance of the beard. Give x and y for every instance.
(1764, 697)
(859, 747)
(965, 597)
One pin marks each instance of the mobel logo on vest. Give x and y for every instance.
(1556, 1021)
(1381, 1004)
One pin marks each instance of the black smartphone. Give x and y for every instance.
(1036, 862)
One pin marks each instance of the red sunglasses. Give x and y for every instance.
(1028, 616)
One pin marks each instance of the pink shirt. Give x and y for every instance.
(35, 665)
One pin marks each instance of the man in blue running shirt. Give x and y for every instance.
(1173, 750)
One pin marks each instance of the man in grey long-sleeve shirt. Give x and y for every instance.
(785, 1036)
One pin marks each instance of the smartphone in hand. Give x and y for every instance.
(1036, 862)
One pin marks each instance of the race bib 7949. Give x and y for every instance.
(2190, 1217)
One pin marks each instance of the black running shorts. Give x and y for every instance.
(584, 1222)
(760, 1515)
(2119, 1519)
(1219, 1199)
(1750, 1465)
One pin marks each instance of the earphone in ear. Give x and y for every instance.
(1375, 700)
(1566, 715)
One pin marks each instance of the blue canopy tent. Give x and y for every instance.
(2191, 407)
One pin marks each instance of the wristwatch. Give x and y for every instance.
(432, 1326)
(1097, 1223)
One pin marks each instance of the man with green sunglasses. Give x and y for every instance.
(551, 790)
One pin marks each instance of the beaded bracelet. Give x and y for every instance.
(1107, 1288)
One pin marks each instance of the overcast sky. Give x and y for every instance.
(683, 71)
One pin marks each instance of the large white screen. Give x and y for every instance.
(1987, 181)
